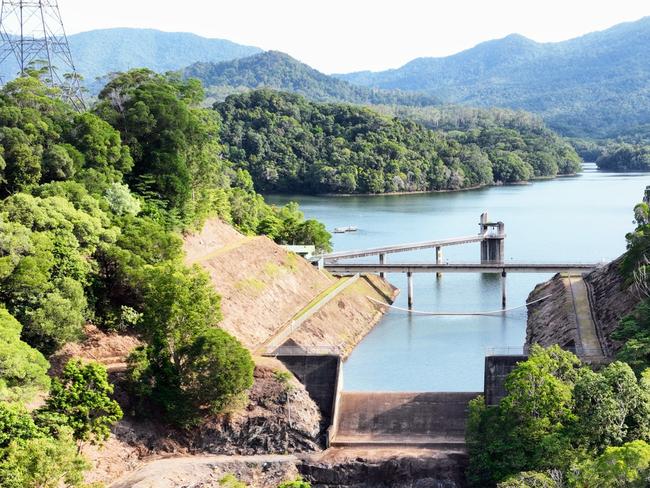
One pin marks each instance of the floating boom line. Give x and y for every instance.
(458, 314)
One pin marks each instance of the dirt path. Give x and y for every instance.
(182, 471)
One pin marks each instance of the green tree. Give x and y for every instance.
(530, 480)
(172, 141)
(23, 370)
(188, 365)
(611, 407)
(15, 424)
(215, 369)
(627, 466)
(527, 431)
(121, 201)
(42, 462)
(179, 305)
(81, 399)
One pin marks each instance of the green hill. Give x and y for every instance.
(289, 144)
(279, 71)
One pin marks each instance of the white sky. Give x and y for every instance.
(351, 35)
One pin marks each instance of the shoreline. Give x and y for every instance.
(429, 192)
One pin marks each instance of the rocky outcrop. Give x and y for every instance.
(379, 468)
(552, 320)
(386, 468)
(277, 417)
(611, 300)
(280, 418)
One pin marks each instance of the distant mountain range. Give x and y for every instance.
(273, 69)
(99, 52)
(597, 84)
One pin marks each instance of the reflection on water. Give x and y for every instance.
(582, 219)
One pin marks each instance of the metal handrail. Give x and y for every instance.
(525, 351)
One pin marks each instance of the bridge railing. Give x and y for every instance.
(307, 350)
(506, 262)
(407, 247)
(581, 352)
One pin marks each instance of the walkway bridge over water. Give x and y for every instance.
(491, 236)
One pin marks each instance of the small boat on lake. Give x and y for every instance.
(345, 230)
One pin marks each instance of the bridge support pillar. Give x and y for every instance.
(438, 260)
(409, 277)
(382, 260)
(504, 296)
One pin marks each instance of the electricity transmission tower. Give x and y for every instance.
(32, 36)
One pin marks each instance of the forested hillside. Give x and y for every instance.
(289, 144)
(92, 208)
(280, 71)
(594, 85)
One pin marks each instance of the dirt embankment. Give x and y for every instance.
(263, 288)
(553, 321)
(276, 418)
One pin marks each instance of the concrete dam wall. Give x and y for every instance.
(418, 419)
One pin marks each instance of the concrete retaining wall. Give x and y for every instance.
(320, 375)
(497, 369)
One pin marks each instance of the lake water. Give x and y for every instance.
(581, 219)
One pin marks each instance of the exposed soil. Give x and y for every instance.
(215, 234)
(263, 287)
(274, 420)
(110, 349)
(347, 319)
(209, 471)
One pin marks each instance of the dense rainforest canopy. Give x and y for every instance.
(595, 85)
(562, 424)
(289, 144)
(92, 207)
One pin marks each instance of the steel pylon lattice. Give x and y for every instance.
(32, 35)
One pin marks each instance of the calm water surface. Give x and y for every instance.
(582, 219)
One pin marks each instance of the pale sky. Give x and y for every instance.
(337, 36)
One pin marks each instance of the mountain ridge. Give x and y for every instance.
(279, 71)
(97, 53)
(595, 84)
